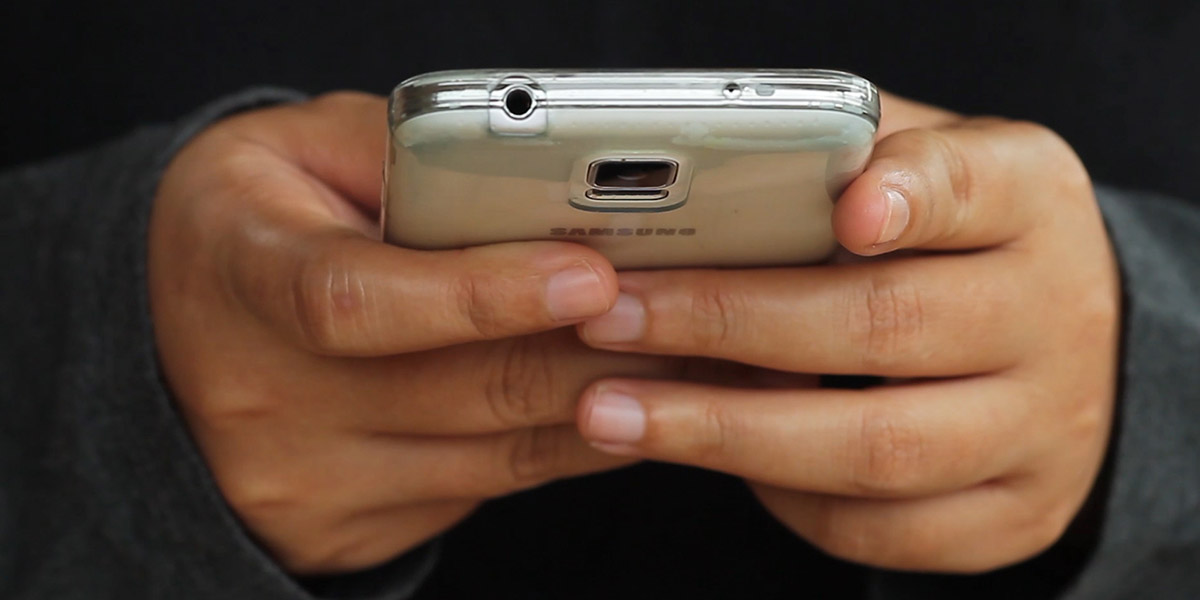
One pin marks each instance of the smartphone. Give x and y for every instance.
(651, 168)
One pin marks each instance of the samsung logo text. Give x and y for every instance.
(617, 231)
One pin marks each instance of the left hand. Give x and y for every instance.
(1004, 326)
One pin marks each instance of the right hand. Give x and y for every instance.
(354, 399)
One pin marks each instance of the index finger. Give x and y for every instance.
(887, 442)
(334, 291)
(284, 254)
(968, 186)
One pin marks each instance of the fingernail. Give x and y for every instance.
(614, 419)
(575, 293)
(624, 323)
(896, 218)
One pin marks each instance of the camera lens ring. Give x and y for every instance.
(642, 173)
(519, 102)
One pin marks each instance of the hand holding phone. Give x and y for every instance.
(353, 399)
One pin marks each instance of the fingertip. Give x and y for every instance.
(861, 215)
(610, 418)
(581, 283)
(577, 292)
(570, 282)
(623, 323)
(894, 203)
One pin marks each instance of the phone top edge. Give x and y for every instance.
(816, 89)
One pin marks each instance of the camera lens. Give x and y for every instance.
(633, 174)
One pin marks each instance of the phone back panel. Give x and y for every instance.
(755, 185)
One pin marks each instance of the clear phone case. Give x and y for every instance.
(652, 168)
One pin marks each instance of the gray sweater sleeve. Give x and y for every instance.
(1139, 535)
(102, 492)
(1149, 540)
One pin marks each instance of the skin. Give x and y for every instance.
(354, 399)
(351, 398)
(997, 329)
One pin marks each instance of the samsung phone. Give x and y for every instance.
(651, 168)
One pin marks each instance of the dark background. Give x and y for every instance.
(1117, 78)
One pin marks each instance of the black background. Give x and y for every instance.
(1118, 79)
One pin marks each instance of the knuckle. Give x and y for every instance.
(969, 567)
(1046, 530)
(715, 312)
(717, 428)
(1071, 184)
(942, 164)
(1074, 180)
(923, 545)
(239, 176)
(845, 535)
(1097, 311)
(532, 458)
(961, 178)
(521, 388)
(322, 555)
(1035, 131)
(1042, 524)
(1089, 419)
(260, 496)
(327, 299)
(302, 559)
(888, 321)
(1100, 309)
(854, 536)
(228, 409)
(890, 454)
(221, 414)
(478, 301)
(340, 98)
(282, 506)
(1070, 173)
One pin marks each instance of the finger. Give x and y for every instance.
(911, 317)
(898, 113)
(335, 291)
(895, 441)
(468, 389)
(472, 389)
(472, 467)
(338, 138)
(961, 187)
(264, 475)
(970, 531)
(504, 385)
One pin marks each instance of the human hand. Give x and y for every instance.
(343, 391)
(1002, 318)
